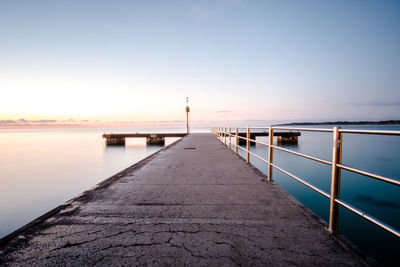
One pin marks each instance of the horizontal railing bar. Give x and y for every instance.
(252, 140)
(378, 132)
(257, 156)
(304, 129)
(369, 217)
(302, 181)
(375, 176)
(261, 143)
(369, 132)
(242, 148)
(303, 155)
(255, 141)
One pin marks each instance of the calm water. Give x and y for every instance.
(41, 169)
(373, 153)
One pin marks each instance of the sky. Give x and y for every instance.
(121, 62)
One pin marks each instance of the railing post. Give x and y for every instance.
(237, 140)
(270, 152)
(225, 136)
(335, 180)
(248, 145)
(229, 138)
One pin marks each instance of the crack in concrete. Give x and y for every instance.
(68, 245)
(131, 245)
(76, 233)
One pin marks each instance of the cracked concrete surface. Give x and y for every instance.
(197, 207)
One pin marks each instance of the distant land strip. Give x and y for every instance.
(387, 122)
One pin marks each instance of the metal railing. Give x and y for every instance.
(225, 135)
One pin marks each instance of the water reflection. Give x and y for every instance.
(381, 203)
(381, 158)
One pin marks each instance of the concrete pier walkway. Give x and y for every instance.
(195, 203)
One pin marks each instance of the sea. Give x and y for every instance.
(43, 168)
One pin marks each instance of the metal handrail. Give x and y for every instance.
(259, 157)
(369, 217)
(336, 164)
(304, 129)
(369, 132)
(253, 140)
(261, 143)
(375, 176)
(302, 155)
(302, 181)
(242, 148)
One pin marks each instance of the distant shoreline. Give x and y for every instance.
(387, 122)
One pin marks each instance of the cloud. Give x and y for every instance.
(44, 121)
(7, 121)
(173, 121)
(38, 123)
(223, 111)
(377, 104)
(125, 122)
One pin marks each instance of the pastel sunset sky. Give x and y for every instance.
(136, 61)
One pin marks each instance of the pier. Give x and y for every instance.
(194, 203)
(283, 137)
(151, 138)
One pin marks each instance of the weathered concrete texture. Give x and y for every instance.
(195, 207)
